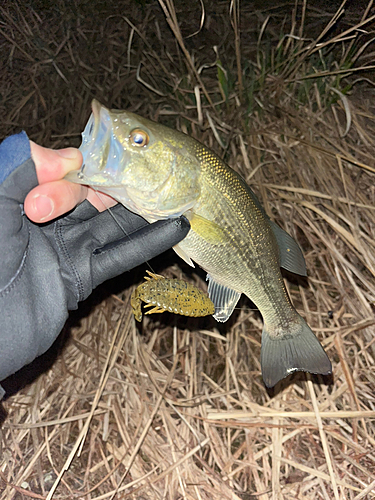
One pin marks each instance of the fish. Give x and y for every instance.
(159, 173)
(170, 294)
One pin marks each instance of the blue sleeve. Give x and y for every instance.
(14, 151)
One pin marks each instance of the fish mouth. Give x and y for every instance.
(103, 155)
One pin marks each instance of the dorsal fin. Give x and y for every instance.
(291, 257)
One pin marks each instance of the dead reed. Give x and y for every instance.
(177, 409)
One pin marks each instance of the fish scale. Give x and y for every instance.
(161, 173)
(247, 237)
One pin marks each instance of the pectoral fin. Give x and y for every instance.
(291, 257)
(208, 230)
(225, 299)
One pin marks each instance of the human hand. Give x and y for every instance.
(55, 196)
(48, 268)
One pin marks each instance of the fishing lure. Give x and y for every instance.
(167, 294)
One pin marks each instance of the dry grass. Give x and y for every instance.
(178, 409)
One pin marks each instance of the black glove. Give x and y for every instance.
(47, 269)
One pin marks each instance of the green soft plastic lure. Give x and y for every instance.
(170, 294)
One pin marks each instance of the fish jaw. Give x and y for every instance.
(158, 180)
(103, 156)
(130, 198)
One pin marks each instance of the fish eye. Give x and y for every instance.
(139, 137)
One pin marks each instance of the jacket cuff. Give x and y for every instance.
(14, 151)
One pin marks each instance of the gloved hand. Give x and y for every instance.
(47, 269)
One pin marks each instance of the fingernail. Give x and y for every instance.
(69, 153)
(43, 206)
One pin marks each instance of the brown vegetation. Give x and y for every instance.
(177, 408)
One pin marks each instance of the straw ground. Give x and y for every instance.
(176, 408)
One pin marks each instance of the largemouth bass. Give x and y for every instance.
(158, 173)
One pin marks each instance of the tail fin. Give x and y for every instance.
(293, 351)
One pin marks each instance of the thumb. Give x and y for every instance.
(52, 165)
(53, 196)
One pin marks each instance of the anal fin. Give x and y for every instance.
(225, 299)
